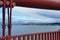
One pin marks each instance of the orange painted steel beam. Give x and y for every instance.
(44, 4)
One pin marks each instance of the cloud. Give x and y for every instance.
(28, 11)
(32, 13)
(0, 15)
(49, 13)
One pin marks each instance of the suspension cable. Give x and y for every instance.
(8, 14)
(9, 18)
(3, 11)
(10, 4)
(10, 10)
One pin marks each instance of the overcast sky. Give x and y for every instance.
(32, 14)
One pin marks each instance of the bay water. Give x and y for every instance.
(27, 29)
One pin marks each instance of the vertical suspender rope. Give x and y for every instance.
(8, 19)
(10, 16)
(3, 11)
(8, 11)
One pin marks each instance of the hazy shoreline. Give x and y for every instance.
(35, 24)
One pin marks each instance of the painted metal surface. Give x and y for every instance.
(3, 15)
(4, 5)
(44, 4)
(53, 35)
(9, 17)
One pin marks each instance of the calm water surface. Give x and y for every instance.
(25, 29)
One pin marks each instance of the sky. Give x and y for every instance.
(33, 15)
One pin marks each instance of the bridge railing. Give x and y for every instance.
(53, 35)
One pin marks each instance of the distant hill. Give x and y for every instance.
(30, 23)
(41, 24)
(33, 23)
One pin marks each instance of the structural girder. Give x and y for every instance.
(44, 4)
